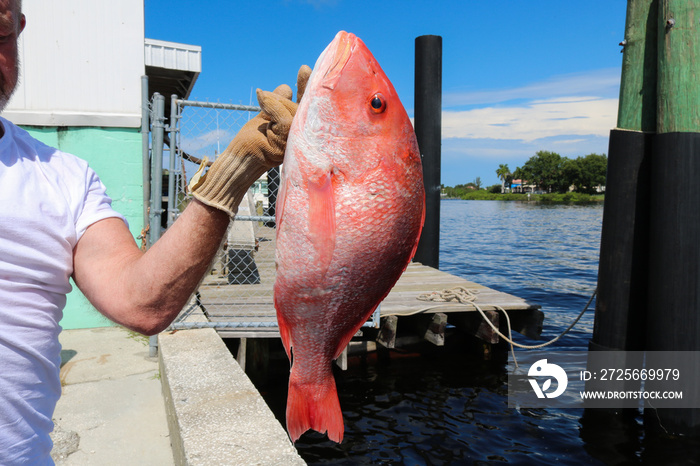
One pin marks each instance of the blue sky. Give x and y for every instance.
(518, 76)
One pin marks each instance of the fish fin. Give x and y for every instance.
(314, 406)
(340, 60)
(285, 333)
(345, 340)
(279, 204)
(420, 230)
(322, 219)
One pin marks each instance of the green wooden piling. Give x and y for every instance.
(637, 106)
(679, 66)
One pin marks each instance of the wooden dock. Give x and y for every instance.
(432, 317)
(249, 312)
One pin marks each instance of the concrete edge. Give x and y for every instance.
(171, 416)
(215, 413)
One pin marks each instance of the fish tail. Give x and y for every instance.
(314, 406)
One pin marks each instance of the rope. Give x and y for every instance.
(466, 296)
(144, 236)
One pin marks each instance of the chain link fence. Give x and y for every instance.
(237, 290)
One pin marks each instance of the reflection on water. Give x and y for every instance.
(436, 406)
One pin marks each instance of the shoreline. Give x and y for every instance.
(550, 198)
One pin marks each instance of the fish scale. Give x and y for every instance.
(349, 214)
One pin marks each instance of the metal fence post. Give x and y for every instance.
(146, 159)
(172, 166)
(158, 128)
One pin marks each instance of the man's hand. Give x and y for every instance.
(257, 147)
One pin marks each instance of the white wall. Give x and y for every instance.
(81, 64)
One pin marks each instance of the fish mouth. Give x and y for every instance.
(342, 47)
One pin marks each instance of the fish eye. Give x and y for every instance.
(378, 103)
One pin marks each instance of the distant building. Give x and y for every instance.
(520, 186)
(260, 191)
(81, 91)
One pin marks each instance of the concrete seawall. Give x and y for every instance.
(215, 413)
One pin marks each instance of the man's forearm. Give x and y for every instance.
(146, 291)
(176, 263)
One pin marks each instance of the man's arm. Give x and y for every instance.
(146, 291)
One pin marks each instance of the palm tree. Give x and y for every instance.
(503, 173)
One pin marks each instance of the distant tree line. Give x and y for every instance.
(549, 172)
(461, 189)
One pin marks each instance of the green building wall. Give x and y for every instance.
(115, 154)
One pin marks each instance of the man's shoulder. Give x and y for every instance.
(32, 149)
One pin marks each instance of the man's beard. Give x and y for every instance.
(6, 94)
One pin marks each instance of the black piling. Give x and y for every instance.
(649, 273)
(428, 127)
(673, 320)
(624, 244)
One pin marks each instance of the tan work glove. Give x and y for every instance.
(257, 147)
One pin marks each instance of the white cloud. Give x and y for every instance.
(567, 107)
(210, 142)
(537, 119)
(568, 142)
(604, 82)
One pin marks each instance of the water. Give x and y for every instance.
(436, 406)
(547, 254)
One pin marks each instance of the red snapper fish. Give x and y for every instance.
(349, 215)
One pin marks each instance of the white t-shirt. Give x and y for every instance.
(47, 200)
